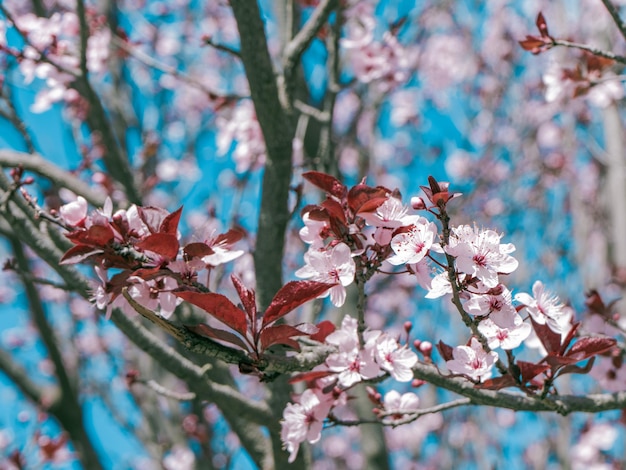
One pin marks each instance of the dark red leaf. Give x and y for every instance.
(218, 306)
(335, 211)
(310, 376)
(292, 295)
(197, 249)
(532, 44)
(498, 383)
(324, 329)
(529, 370)
(557, 361)
(96, 235)
(280, 334)
(78, 254)
(363, 198)
(326, 182)
(590, 346)
(163, 244)
(230, 237)
(445, 351)
(170, 223)
(572, 369)
(551, 341)
(568, 339)
(247, 296)
(542, 26)
(151, 273)
(153, 217)
(221, 335)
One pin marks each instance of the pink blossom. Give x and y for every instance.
(390, 214)
(546, 309)
(244, 129)
(303, 421)
(472, 361)
(405, 403)
(480, 254)
(439, 286)
(387, 217)
(180, 458)
(505, 337)
(74, 213)
(486, 304)
(350, 363)
(154, 294)
(412, 246)
(311, 233)
(395, 359)
(334, 265)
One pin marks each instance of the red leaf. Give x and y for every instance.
(497, 383)
(163, 244)
(590, 346)
(363, 198)
(170, 223)
(96, 235)
(335, 211)
(280, 334)
(550, 340)
(218, 306)
(568, 339)
(326, 182)
(197, 249)
(445, 351)
(542, 26)
(572, 369)
(78, 254)
(292, 295)
(151, 273)
(529, 370)
(230, 237)
(532, 44)
(153, 217)
(557, 361)
(215, 333)
(310, 376)
(324, 329)
(247, 296)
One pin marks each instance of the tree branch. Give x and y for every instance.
(278, 131)
(39, 165)
(564, 404)
(296, 47)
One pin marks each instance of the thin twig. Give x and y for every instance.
(170, 70)
(221, 47)
(592, 50)
(616, 18)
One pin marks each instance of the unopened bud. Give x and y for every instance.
(426, 348)
(415, 383)
(418, 203)
(408, 326)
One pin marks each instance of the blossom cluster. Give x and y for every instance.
(52, 53)
(142, 243)
(352, 363)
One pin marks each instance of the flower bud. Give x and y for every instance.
(418, 203)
